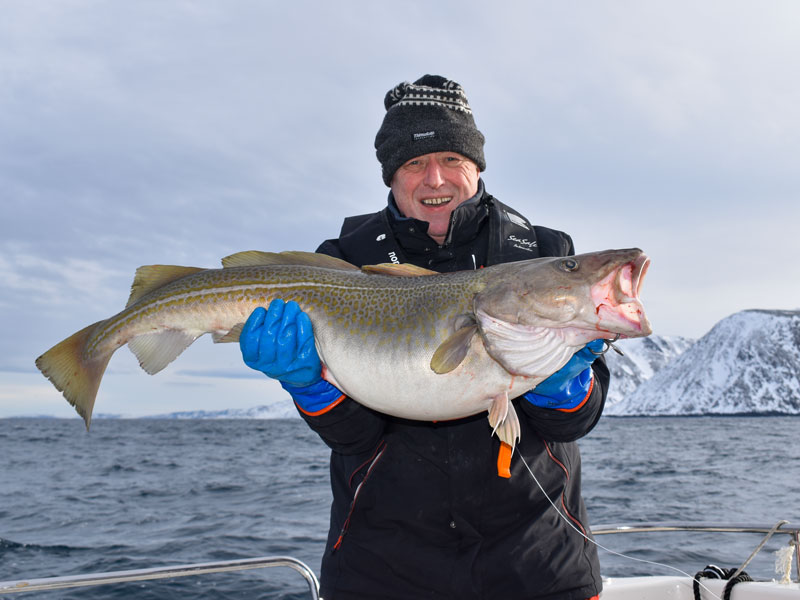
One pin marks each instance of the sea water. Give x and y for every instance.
(143, 493)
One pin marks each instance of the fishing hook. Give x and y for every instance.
(609, 346)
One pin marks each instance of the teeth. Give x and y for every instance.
(436, 201)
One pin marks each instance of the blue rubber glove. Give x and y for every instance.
(567, 387)
(279, 342)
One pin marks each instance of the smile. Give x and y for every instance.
(436, 201)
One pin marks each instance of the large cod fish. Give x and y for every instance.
(397, 338)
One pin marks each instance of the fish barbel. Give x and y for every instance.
(400, 339)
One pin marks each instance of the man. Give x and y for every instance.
(418, 508)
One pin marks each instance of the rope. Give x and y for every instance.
(734, 576)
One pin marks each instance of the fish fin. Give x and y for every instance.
(77, 377)
(398, 270)
(452, 351)
(230, 336)
(156, 350)
(463, 320)
(152, 277)
(503, 420)
(257, 258)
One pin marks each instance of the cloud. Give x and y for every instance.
(144, 133)
(35, 279)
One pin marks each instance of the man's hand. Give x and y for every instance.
(567, 387)
(279, 342)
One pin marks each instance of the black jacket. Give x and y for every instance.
(418, 508)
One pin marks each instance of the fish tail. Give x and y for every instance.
(66, 365)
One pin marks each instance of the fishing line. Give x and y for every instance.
(588, 539)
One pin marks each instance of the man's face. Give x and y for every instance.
(431, 186)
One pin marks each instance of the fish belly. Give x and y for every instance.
(396, 378)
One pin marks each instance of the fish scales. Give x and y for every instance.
(340, 300)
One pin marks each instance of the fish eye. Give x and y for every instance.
(569, 265)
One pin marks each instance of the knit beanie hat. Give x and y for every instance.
(430, 115)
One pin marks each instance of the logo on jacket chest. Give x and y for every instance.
(522, 243)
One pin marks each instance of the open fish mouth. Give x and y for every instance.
(616, 299)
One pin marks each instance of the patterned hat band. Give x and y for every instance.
(450, 95)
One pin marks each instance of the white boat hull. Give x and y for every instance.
(680, 588)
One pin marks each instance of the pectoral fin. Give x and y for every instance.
(453, 350)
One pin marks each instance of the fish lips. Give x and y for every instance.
(616, 298)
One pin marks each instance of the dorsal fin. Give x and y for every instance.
(257, 258)
(398, 270)
(152, 277)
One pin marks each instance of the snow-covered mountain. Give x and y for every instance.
(749, 363)
(643, 357)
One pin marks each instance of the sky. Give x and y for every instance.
(179, 132)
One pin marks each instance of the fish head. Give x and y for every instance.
(552, 306)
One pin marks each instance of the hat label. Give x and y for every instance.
(424, 135)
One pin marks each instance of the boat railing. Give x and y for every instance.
(92, 579)
(779, 528)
